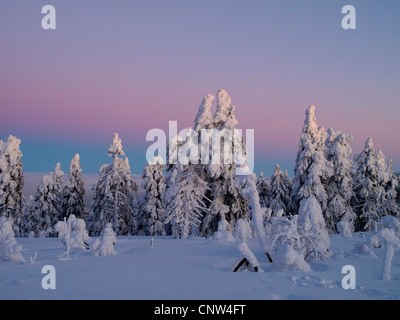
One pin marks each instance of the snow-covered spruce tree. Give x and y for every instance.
(11, 182)
(187, 204)
(264, 190)
(280, 191)
(312, 170)
(9, 249)
(227, 201)
(172, 172)
(73, 191)
(47, 204)
(204, 118)
(392, 181)
(368, 187)
(28, 214)
(114, 195)
(151, 210)
(104, 245)
(339, 187)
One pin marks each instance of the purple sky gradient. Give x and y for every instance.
(130, 66)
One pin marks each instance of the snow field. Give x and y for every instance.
(192, 269)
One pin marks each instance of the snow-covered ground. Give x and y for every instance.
(194, 268)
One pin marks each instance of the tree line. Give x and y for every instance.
(353, 191)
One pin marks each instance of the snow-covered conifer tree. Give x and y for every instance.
(47, 206)
(114, 195)
(390, 204)
(368, 187)
(264, 190)
(312, 170)
(104, 245)
(9, 249)
(73, 191)
(204, 117)
(11, 182)
(151, 210)
(187, 204)
(339, 187)
(280, 191)
(227, 201)
(28, 214)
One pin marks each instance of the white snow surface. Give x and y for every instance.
(192, 268)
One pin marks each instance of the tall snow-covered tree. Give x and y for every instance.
(339, 187)
(28, 214)
(172, 168)
(368, 187)
(11, 182)
(114, 195)
(391, 193)
(73, 191)
(312, 170)
(280, 191)
(151, 210)
(47, 204)
(227, 202)
(187, 204)
(264, 190)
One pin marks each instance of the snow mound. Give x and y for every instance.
(223, 232)
(287, 259)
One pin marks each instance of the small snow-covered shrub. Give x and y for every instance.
(223, 232)
(287, 259)
(344, 228)
(242, 230)
(391, 222)
(284, 230)
(104, 246)
(311, 226)
(73, 233)
(364, 250)
(9, 249)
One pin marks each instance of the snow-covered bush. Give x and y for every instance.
(104, 246)
(242, 230)
(311, 227)
(391, 222)
(283, 230)
(288, 259)
(344, 227)
(72, 233)
(9, 249)
(223, 232)
(249, 261)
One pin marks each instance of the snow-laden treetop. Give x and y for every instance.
(115, 149)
